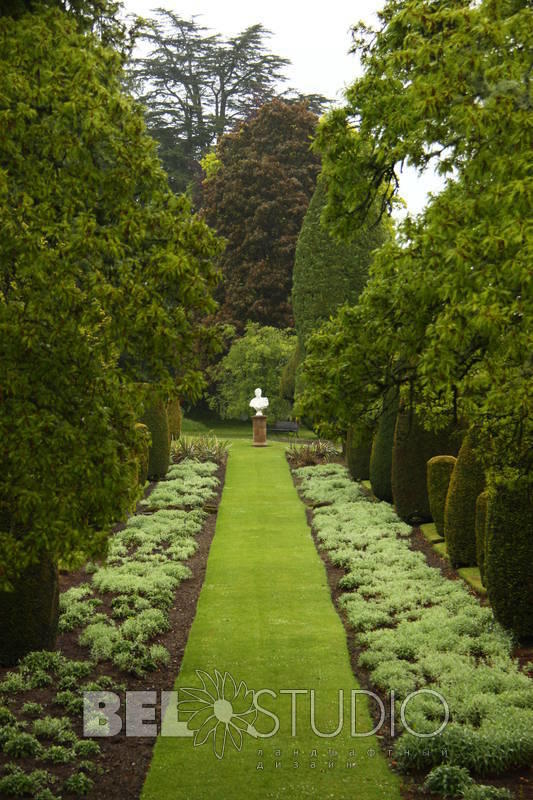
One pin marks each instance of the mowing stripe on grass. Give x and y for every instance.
(266, 617)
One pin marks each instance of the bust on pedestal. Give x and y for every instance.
(259, 420)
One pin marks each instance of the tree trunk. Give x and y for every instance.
(29, 615)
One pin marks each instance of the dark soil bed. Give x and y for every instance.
(519, 782)
(125, 760)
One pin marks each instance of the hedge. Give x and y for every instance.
(467, 482)
(509, 556)
(358, 446)
(481, 532)
(381, 454)
(156, 419)
(439, 472)
(413, 447)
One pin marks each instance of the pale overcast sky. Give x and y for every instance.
(315, 37)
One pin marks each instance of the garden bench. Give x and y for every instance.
(283, 426)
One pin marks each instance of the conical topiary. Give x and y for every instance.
(481, 532)
(439, 473)
(509, 556)
(466, 483)
(381, 453)
(155, 418)
(358, 446)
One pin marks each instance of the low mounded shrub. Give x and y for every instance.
(447, 780)
(156, 420)
(21, 745)
(79, 784)
(30, 710)
(358, 447)
(466, 483)
(479, 792)
(439, 472)
(509, 556)
(481, 532)
(381, 454)
(18, 783)
(412, 449)
(51, 728)
(58, 754)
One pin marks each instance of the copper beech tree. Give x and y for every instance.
(255, 196)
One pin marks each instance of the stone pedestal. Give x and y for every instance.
(260, 431)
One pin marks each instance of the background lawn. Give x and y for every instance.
(196, 422)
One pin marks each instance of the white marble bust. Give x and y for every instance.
(259, 403)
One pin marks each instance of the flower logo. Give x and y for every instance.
(220, 709)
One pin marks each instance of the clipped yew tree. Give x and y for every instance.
(439, 473)
(380, 468)
(358, 446)
(328, 272)
(144, 452)
(466, 483)
(412, 449)
(255, 195)
(288, 381)
(103, 274)
(509, 555)
(174, 414)
(482, 504)
(156, 420)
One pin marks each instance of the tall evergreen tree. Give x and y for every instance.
(196, 85)
(328, 272)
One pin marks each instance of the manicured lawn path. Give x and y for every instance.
(265, 615)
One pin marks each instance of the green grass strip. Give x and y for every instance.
(430, 532)
(472, 576)
(265, 615)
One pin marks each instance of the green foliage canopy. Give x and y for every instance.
(255, 359)
(450, 84)
(104, 277)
